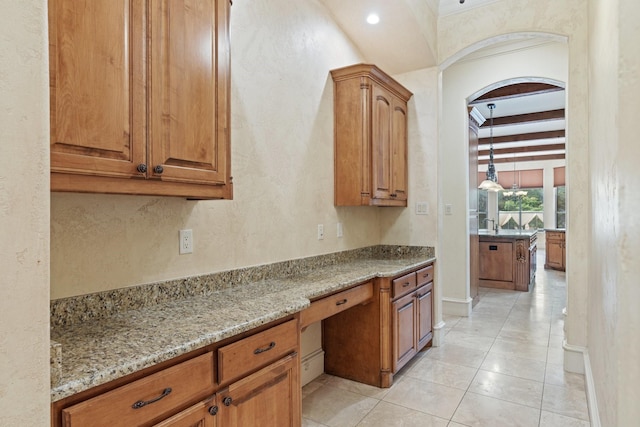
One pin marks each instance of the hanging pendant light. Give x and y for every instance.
(515, 188)
(491, 183)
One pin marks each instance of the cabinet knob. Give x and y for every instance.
(394, 195)
(142, 168)
(213, 410)
(158, 169)
(227, 401)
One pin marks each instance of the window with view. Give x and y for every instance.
(560, 207)
(527, 209)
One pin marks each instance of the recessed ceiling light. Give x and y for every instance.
(373, 19)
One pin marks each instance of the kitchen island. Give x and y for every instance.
(507, 259)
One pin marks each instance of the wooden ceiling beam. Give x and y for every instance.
(524, 137)
(515, 91)
(542, 116)
(525, 159)
(528, 149)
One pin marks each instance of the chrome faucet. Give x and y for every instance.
(494, 226)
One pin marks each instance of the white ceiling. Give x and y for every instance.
(404, 40)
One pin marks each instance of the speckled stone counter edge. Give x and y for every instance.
(72, 310)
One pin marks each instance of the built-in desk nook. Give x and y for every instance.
(225, 349)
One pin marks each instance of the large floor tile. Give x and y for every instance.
(466, 339)
(514, 366)
(505, 387)
(356, 387)
(432, 398)
(389, 415)
(534, 337)
(457, 355)
(556, 375)
(476, 410)
(310, 423)
(524, 350)
(549, 419)
(567, 401)
(335, 407)
(443, 373)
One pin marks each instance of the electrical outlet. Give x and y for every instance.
(186, 242)
(339, 230)
(448, 209)
(320, 231)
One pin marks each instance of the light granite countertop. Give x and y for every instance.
(97, 351)
(508, 234)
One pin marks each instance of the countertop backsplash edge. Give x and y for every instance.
(78, 309)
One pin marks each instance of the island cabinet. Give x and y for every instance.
(370, 137)
(369, 343)
(555, 250)
(507, 260)
(252, 380)
(140, 97)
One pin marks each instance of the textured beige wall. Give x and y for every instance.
(466, 32)
(282, 160)
(24, 215)
(614, 322)
(401, 226)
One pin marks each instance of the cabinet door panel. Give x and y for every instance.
(404, 341)
(424, 301)
(195, 416)
(187, 135)
(97, 91)
(270, 397)
(555, 254)
(381, 143)
(496, 261)
(399, 151)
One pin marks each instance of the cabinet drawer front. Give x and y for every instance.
(404, 284)
(251, 353)
(333, 304)
(155, 396)
(555, 235)
(424, 275)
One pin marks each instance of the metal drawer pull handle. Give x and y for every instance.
(406, 284)
(227, 401)
(140, 403)
(262, 350)
(213, 410)
(344, 301)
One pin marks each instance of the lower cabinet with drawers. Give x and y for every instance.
(227, 384)
(371, 342)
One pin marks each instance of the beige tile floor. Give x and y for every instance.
(500, 367)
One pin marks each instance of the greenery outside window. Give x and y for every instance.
(561, 215)
(532, 210)
(482, 209)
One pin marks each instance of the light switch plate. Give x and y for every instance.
(422, 208)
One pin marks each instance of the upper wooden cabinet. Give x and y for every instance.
(140, 97)
(370, 125)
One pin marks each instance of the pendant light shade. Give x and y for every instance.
(491, 183)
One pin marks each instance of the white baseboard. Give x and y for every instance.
(573, 358)
(576, 359)
(312, 366)
(457, 307)
(590, 386)
(438, 335)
